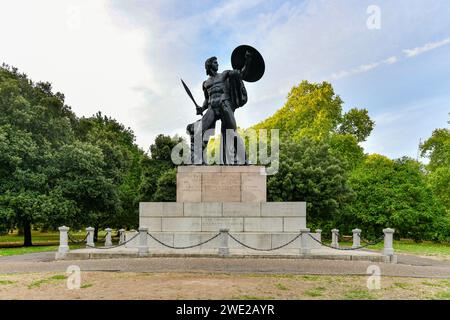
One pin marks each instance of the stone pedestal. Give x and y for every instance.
(221, 184)
(233, 198)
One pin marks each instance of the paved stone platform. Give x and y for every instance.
(407, 266)
(323, 253)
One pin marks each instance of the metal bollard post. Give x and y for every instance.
(319, 234)
(335, 238)
(143, 244)
(90, 237)
(121, 236)
(224, 250)
(389, 244)
(63, 242)
(305, 247)
(108, 241)
(356, 238)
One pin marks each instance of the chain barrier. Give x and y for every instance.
(258, 249)
(187, 247)
(75, 240)
(116, 246)
(357, 248)
(370, 242)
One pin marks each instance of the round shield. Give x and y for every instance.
(255, 65)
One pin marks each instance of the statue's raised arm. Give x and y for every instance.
(249, 62)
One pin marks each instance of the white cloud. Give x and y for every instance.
(425, 48)
(81, 50)
(363, 68)
(397, 132)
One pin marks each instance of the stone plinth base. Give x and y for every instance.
(221, 184)
(210, 217)
(254, 239)
(263, 225)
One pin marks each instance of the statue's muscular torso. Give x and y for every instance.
(217, 90)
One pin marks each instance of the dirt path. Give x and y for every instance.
(126, 285)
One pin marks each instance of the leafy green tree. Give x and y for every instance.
(81, 175)
(394, 193)
(309, 172)
(357, 122)
(57, 169)
(311, 110)
(159, 163)
(314, 110)
(34, 124)
(122, 165)
(166, 189)
(437, 148)
(346, 148)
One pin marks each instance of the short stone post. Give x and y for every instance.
(224, 250)
(335, 238)
(108, 241)
(63, 242)
(356, 238)
(388, 244)
(121, 236)
(305, 247)
(90, 237)
(143, 244)
(319, 234)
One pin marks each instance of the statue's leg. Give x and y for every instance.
(233, 145)
(203, 132)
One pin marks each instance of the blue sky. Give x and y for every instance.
(125, 58)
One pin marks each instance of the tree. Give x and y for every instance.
(122, 164)
(159, 163)
(314, 110)
(394, 193)
(34, 124)
(82, 177)
(309, 172)
(311, 110)
(57, 169)
(166, 188)
(437, 148)
(357, 122)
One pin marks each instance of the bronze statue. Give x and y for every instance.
(224, 93)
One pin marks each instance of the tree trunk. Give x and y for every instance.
(20, 231)
(27, 234)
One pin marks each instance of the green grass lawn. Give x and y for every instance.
(23, 250)
(11, 244)
(427, 248)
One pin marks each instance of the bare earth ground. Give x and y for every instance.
(118, 285)
(38, 276)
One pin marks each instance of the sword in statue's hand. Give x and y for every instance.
(197, 107)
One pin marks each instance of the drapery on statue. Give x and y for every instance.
(224, 93)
